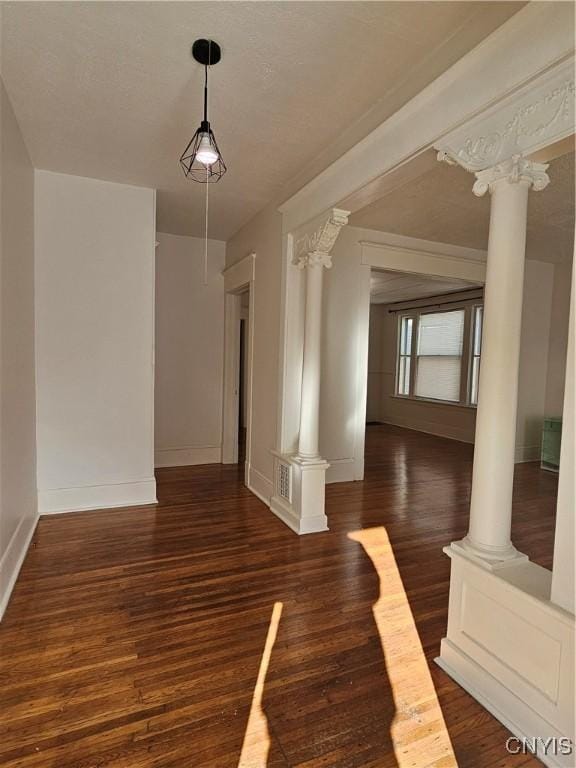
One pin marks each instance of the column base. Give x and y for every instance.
(298, 498)
(490, 559)
(513, 651)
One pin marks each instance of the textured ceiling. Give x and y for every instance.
(109, 89)
(387, 287)
(439, 205)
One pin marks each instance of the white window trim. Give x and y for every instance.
(467, 352)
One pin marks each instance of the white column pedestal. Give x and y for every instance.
(299, 500)
(513, 650)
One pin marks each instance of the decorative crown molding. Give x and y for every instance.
(534, 117)
(514, 171)
(313, 248)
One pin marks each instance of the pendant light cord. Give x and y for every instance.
(206, 90)
(206, 229)
(207, 167)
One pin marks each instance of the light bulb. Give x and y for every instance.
(206, 153)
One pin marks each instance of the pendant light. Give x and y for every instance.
(201, 160)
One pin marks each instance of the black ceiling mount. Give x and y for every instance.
(206, 52)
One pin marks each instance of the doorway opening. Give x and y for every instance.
(423, 353)
(238, 362)
(243, 376)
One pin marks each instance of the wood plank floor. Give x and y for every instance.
(202, 633)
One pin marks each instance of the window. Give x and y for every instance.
(405, 355)
(439, 360)
(439, 354)
(476, 346)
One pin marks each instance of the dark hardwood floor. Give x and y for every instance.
(202, 633)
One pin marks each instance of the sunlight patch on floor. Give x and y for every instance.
(256, 742)
(418, 727)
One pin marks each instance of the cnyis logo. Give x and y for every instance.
(540, 745)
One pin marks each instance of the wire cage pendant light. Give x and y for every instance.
(202, 160)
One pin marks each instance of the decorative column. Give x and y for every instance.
(298, 497)
(510, 636)
(313, 256)
(493, 472)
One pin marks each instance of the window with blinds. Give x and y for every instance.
(405, 355)
(439, 355)
(476, 345)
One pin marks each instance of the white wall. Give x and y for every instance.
(189, 351)
(533, 368)
(558, 339)
(18, 503)
(376, 363)
(94, 342)
(563, 591)
(263, 236)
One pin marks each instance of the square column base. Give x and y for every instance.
(298, 498)
(513, 651)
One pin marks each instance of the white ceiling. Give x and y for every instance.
(387, 287)
(439, 205)
(109, 89)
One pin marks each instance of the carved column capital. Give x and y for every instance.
(515, 170)
(313, 248)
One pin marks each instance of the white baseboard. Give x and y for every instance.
(341, 471)
(523, 453)
(92, 497)
(260, 485)
(497, 699)
(431, 428)
(13, 558)
(188, 456)
(526, 453)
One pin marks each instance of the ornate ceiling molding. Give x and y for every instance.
(538, 115)
(515, 170)
(313, 248)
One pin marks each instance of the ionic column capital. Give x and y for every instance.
(516, 170)
(314, 248)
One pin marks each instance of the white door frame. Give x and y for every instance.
(237, 279)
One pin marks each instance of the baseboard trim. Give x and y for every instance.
(94, 497)
(13, 558)
(432, 429)
(522, 454)
(526, 453)
(188, 456)
(260, 485)
(473, 678)
(341, 471)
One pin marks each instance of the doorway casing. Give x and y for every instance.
(238, 279)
